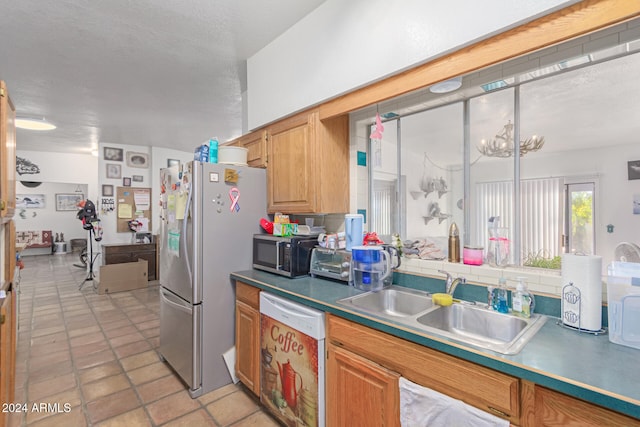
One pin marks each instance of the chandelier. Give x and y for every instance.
(502, 144)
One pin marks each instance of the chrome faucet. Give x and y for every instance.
(452, 284)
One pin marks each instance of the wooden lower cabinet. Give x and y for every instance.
(545, 407)
(484, 388)
(360, 392)
(248, 336)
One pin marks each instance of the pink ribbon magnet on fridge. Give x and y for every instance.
(234, 195)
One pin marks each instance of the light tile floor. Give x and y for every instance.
(95, 356)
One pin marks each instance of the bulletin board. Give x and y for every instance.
(132, 203)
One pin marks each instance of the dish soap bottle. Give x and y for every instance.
(500, 303)
(522, 299)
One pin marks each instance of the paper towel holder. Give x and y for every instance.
(570, 310)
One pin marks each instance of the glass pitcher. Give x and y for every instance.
(498, 248)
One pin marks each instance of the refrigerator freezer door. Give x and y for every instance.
(178, 254)
(179, 338)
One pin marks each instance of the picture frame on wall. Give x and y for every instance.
(107, 190)
(68, 201)
(137, 178)
(126, 182)
(30, 201)
(114, 171)
(633, 169)
(113, 154)
(173, 162)
(137, 160)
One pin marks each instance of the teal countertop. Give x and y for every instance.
(581, 365)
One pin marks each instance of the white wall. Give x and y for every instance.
(48, 218)
(59, 173)
(62, 167)
(343, 45)
(108, 220)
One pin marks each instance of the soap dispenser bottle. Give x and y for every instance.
(522, 299)
(500, 303)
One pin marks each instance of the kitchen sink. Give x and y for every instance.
(482, 327)
(470, 323)
(393, 301)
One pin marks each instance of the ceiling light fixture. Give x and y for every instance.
(502, 145)
(31, 123)
(447, 85)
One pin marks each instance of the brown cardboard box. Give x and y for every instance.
(122, 277)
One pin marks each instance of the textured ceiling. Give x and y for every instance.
(164, 73)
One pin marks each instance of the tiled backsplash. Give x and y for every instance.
(539, 281)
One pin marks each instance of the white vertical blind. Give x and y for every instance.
(541, 210)
(493, 199)
(383, 202)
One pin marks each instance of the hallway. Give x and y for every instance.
(95, 357)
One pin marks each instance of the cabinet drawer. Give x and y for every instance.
(484, 388)
(248, 294)
(118, 258)
(553, 408)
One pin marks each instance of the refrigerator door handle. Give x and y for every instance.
(183, 235)
(173, 301)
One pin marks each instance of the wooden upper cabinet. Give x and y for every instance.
(7, 155)
(308, 170)
(256, 144)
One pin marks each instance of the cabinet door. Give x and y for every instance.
(256, 144)
(291, 174)
(9, 251)
(248, 346)
(7, 349)
(360, 392)
(7, 155)
(556, 409)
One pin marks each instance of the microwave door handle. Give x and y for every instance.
(278, 248)
(183, 237)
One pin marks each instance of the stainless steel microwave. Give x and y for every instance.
(287, 256)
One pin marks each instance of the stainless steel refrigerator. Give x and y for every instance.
(209, 214)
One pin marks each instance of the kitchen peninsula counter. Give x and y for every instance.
(580, 365)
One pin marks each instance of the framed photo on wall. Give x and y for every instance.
(69, 201)
(173, 162)
(137, 160)
(113, 154)
(633, 169)
(137, 178)
(107, 190)
(126, 182)
(113, 171)
(30, 201)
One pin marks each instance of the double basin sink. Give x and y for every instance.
(470, 323)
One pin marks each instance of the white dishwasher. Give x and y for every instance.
(292, 366)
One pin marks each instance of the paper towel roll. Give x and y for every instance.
(585, 272)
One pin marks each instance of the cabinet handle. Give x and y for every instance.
(498, 411)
